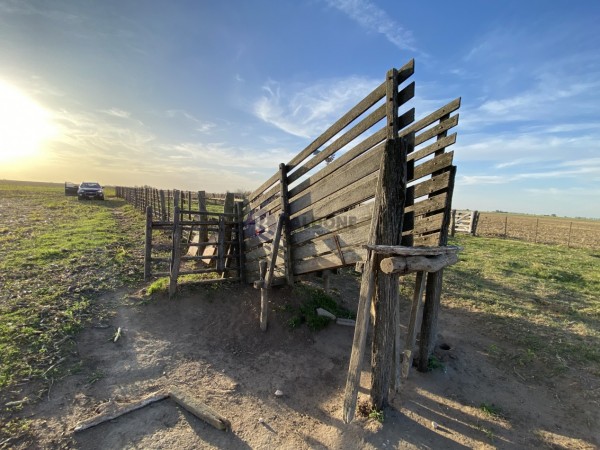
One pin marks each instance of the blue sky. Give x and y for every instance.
(214, 95)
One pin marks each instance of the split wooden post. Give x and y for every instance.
(285, 209)
(148, 245)
(221, 246)
(264, 296)
(386, 226)
(175, 253)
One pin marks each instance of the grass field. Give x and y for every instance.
(539, 302)
(578, 233)
(57, 254)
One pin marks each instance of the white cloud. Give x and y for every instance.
(306, 111)
(116, 112)
(374, 19)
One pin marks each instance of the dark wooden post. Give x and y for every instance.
(163, 207)
(453, 223)
(203, 231)
(386, 226)
(433, 291)
(176, 252)
(239, 209)
(285, 209)
(148, 245)
(264, 296)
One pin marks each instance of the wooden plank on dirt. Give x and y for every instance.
(199, 409)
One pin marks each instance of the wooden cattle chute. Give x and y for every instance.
(328, 197)
(203, 241)
(464, 222)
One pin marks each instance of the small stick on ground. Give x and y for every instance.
(199, 409)
(127, 409)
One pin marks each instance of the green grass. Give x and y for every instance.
(57, 254)
(311, 299)
(539, 302)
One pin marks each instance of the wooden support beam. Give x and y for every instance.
(408, 264)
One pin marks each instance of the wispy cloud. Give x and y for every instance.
(205, 127)
(376, 20)
(306, 111)
(116, 112)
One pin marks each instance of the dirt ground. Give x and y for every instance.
(208, 341)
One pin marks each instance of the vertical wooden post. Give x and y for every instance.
(386, 227)
(475, 223)
(569, 239)
(537, 223)
(189, 205)
(413, 324)
(148, 245)
(264, 296)
(240, 236)
(285, 209)
(433, 292)
(506, 227)
(453, 223)
(203, 231)
(163, 206)
(175, 253)
(221, 246)
(228, 208)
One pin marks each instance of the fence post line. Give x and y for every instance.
(537, 222)
(163, 206)
(175, 253)
(203, 231)
(148, 245)
(240, 235)
(506, 227)
(569, 239)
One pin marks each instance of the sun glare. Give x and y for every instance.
(24, 125)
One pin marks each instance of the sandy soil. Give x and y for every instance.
(208, 342)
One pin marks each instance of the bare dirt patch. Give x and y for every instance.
(208, 341)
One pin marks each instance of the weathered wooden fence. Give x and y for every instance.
(328, 206)
(162, 201)
(464, 221)
(204, 240)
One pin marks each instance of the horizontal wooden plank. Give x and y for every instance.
(432, 204)
(429, 186)
(433, 117)
(352, 255)
(263, 187)
(406, 94)
(427, 240)
(354, 171)
(427, 224)
(433, 165)
(434, 131)
(436, 146)
(268, 196)
(375, 96)
(340, 221)
(376, 116)
(342, 199)
(406, 119)
(347, 237)
(405, 72)
(340, 162)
